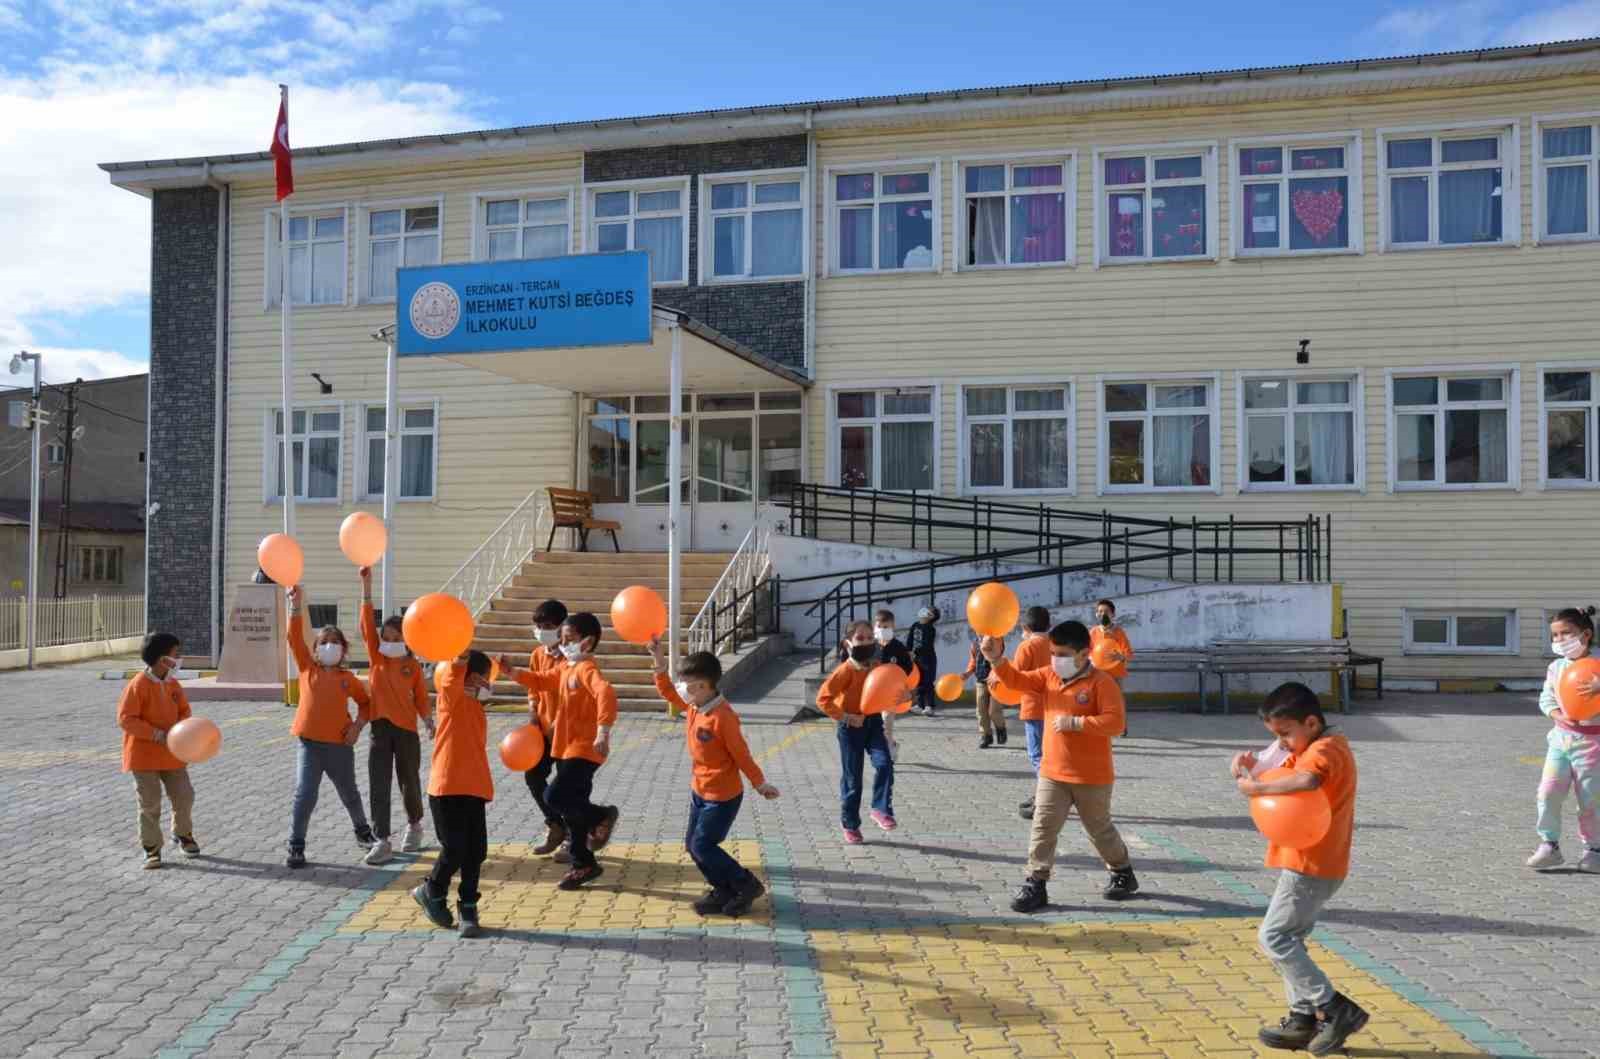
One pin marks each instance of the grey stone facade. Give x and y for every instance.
(767, 317)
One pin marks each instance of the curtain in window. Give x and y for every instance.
(1326, 450)
(778, 243)
(986, 455)
(1182, 450)
(855, 237)
(1408, 210)
(1475, 447)
(1567, 200)
(907, 455)
(986, 231)
(662, 237)
(416, 465)
(1039, 453)
(324, 460)
(1038, 228)
(1492, 447)
(1469, 206)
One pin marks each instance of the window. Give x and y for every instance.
(884, 439)
(316, 256)
(1446, 189)
(99, 565)
(1018, 437)
(321, 615)
(1570, 416)
(419, 434)
(537, 224)
(1158, 435)
(610, 444)
(1567, 179)
(1297, 198)
(1154, 205)
(1299, 433)
(1465, 632)
(55, 452)
(399, 237)
(780, 436)
(754, 226)
(650, 218)
(885, 219)
(1015, 213)
(1452, 430)
(316, 440)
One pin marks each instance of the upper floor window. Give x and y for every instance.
(1015, 213)
(1570, 401)
(885, 219)
(1452, 431)
(1155, 204)
(317, 256)
(1018, 437)
(651, 217)
(1448, 188)
(1296, 198)
(884, 439)
(1158, 434)
(55, 452)
(398, 237)
(1299, 432)
(419, 435)
(756, 226)
(100, 565)
(317, 453)
(527, 226)
(1567, 180)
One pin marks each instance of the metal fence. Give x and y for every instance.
(83, 619)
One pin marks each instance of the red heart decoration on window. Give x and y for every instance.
(1318, 211)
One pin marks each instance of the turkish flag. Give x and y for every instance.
(280, 147)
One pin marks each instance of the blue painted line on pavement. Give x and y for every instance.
(806, 1007)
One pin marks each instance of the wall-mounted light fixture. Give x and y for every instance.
(1304, 355)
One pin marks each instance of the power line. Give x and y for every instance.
(110, 411)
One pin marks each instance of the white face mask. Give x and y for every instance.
(682, 689)
(571, 651)
(330, 654)
(924, 614)
(548, 637)
(392, 649)
(881, 634)
(174, 664)
(483, 692)
(1568, 647)
(1064, 666)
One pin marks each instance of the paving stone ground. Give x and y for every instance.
(902, 947)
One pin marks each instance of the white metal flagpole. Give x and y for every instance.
(391, 466)
(675, 500)
(286, 461)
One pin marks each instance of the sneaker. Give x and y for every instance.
(930, 711)
(365, 838)
(412, 843)
(554, 836)
(563, 853)
(884, 820)
(1025, 810)
(1122, 885)
(852, 836)
(380, 853)
(600, 834)
(1548, 855)
(1025, 804)
(1341, 1019)
(579, 876)
(1000, 736)
(469, 920)
(435, 908)
(152, 859)
(749, 891)
(296, 857)
(1031, 896)
(1292, 1033)
(1590, 862)
(711, 904)
(190, 847)
(986, 742)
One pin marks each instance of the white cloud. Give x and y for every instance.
(1462, 24)
(1564, 22)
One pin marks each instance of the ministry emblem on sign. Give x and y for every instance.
(435, 310)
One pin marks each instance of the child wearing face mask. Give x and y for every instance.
(459, 792)
(859, 736)
(719, 754)
(1105, 627)
(991, 711)
(1572, 750)
(923, 640)
(399, 701)
(890, 649)
(326, 731)
(151, 704)
(1082, 711)
(1033, 652)
(545, 657)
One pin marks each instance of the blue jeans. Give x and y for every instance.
(709, 824)
(338, 763)
(854, 745)
(1035, 733)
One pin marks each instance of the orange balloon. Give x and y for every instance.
(903, 706)
(437, 627)
(638, 614)
(281, 559)
(992, 609)
(1100, 654)
(884, 688)
(363, 538)
(194, 739)
(949, 687)
(522, 748)
(1007, 696)
(1577, 703)
(914, 677)
(1298, 820)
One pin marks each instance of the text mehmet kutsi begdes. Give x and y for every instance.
(491, 307)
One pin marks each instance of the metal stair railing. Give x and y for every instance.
(502, 554)
(733, 612)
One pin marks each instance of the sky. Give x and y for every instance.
(90, 81)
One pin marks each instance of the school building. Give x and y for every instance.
(1354, 303)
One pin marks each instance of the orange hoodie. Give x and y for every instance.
(1032, 653)
(148, 704)
(460, 754)
(1074, 757)
(716, 747)
(542, 704)
(585, 701)
(1120, 639)
(841, 692)
(322, 715)
(399, 694)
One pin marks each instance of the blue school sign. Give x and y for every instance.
(548, 303)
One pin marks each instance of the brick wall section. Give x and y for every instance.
(183, 292)
(767, 317)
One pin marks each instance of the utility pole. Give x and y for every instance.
(36, 422)
(64, 527)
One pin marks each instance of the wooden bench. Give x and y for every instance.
(1196, 662)
(573, 509)
(1291, 656)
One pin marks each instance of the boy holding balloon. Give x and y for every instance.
(542, 705)
(152, 703)
(399, 701)
(1032, 653)
(1571, 699)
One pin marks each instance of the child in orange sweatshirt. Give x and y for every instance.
(326, 731)
(459, 791)
(1105, 627)
(718, 752)
(151, 704)
(399, 701)
(548, 618)
(859, 736)
(1032, 653)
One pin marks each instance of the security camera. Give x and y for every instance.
(150, 512)
(16, 364)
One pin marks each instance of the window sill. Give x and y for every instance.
(1428, 487)
(1117, 262)
(1410, 248)
(1268, 487)
(1005, 491)
(1565, 240)
(1026, 266)
(734, 281)
(1126, 489)
(1571, 485)
(843, 273)
(1342, 251)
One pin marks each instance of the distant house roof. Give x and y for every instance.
(96, 516)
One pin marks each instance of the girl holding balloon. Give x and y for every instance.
(860, 735)
(152, 704)
(1571, 699)
(399, 701)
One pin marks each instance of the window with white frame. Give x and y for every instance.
(1459, 632)
(1451, 429)
(1446, 189)
(1295, 198)
(399, 237)
(650, 218)
(1155, 204)
(1568, 177)
(756, 227)
(317, 445)
(1300, 432)
(317, 257)
(1571, 428)
(1018, 437)
(884, 220)
(883, 439)
(419, 440)
(55, 452)
(1158, 434)
(1015, 213)
(526, 227)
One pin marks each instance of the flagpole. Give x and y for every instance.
(286, 460)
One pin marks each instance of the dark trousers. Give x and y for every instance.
(538, 778)
(709, 824)
(927, 676)
(568, 795)
(460, 824)
(395, 752)
(855, 744)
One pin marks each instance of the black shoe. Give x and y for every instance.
(1292, 1033)
(437, 909)
(469, 920)
(712, 902)
(1122, 885)
(929, 710)
(1031, 896)
(1000, 736)
(1341, 1018)
(365, 837)
(296, 857)
(1026, 810)
(152, 858)
(986, 742)
(580, 876)
(600, 834)
(1025, 804)
(744, 897)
